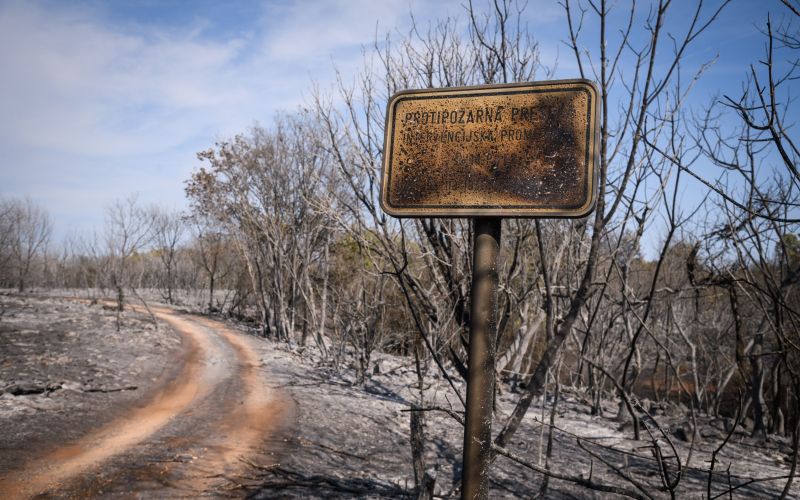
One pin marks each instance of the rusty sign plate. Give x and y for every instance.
(519, 150)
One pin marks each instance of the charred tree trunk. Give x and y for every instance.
(757, 388)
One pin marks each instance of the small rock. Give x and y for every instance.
(711, 432)
(72, 386)
(683, 432)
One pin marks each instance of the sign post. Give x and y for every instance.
(480, 381)
(488, 152)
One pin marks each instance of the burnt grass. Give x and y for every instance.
(345, 438)
(65, 369)
(353, 440)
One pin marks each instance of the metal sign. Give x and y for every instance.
(519, 150)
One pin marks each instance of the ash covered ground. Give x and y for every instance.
(65, 369)
(353, 440)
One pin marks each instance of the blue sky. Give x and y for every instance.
(103, 99)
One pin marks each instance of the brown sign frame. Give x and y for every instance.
(590, 152)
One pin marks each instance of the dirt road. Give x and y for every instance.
(204, 428)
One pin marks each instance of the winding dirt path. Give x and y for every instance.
(204, 426)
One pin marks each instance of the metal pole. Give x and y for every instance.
(480, 380)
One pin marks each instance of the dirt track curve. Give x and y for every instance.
(203, 427)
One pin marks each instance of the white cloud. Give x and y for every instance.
(75, 85)
(92, 103)
(309, 30)
(74, 82)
